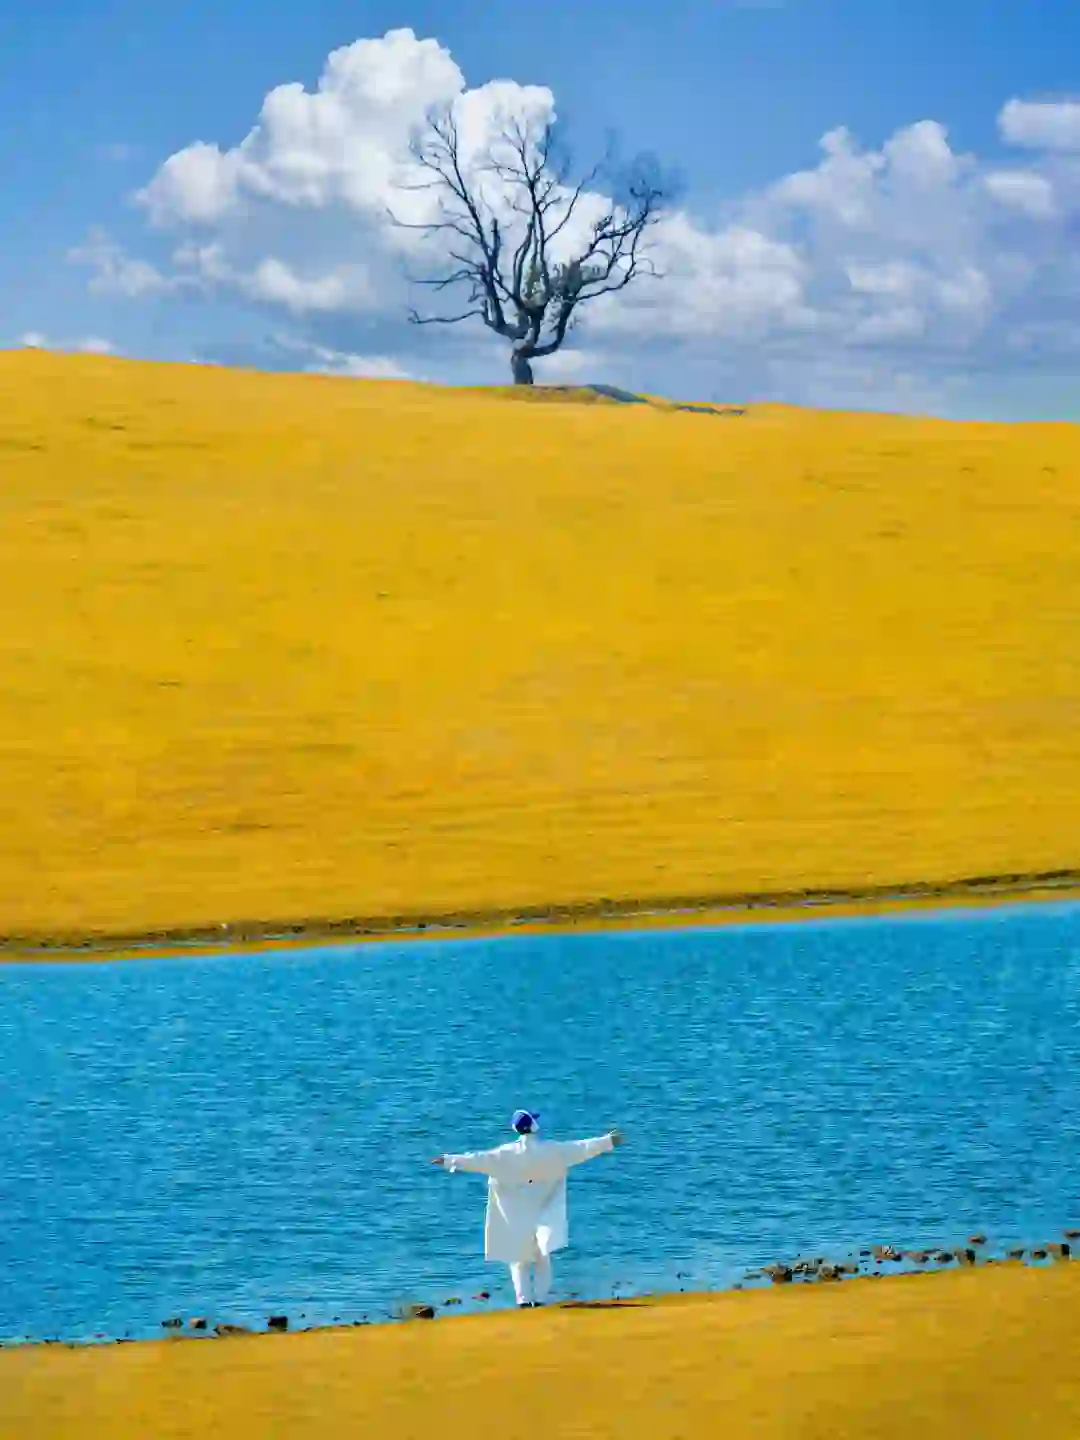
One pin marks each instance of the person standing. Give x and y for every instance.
(526, 1207)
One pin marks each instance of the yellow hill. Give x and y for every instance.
(277, 647)
(982, 1354)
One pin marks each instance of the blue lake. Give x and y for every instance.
(242, 1135)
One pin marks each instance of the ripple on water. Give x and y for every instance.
(240, 1137)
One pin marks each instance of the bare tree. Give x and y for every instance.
(509, 270)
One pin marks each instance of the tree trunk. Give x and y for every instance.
(519, 364)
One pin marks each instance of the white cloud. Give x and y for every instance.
(911, 248)
(196, 184)
(89, 344)
(359, 367)
(323, 360)
(1041, 124)
(891, 277)
(965, 290)
(900, 322)
(339, 144)
(278, 283)
(116, 272)
(572, 365)
(732, 282)
(1023, 190)
(920, 156)
(839, 186)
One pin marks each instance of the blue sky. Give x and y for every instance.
(911, 277)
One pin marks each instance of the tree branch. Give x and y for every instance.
(524, 283)
(417, 319)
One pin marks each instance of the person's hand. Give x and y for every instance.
(617, 1137)
(439, 1160)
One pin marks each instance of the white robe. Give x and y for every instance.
(526, 1208)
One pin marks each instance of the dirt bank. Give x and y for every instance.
(987, 1353)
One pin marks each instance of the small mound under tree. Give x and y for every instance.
(523, 241)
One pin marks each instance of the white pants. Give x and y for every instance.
(532, 1280)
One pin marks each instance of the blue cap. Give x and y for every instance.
(524, 1121)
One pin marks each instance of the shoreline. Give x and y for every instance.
(787, 906)
(968, 1352)
(873, 1262)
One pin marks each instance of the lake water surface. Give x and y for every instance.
(243, 1135)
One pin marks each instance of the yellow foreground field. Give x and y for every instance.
(288, 647)
(971, 1355)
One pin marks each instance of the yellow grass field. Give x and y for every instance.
(282, 647)
(972, 1355)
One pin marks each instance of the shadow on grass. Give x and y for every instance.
(605, 1305)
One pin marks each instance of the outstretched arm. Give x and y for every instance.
(478, 1162)
(576, 1152)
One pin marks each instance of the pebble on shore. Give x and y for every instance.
(779, 1273)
